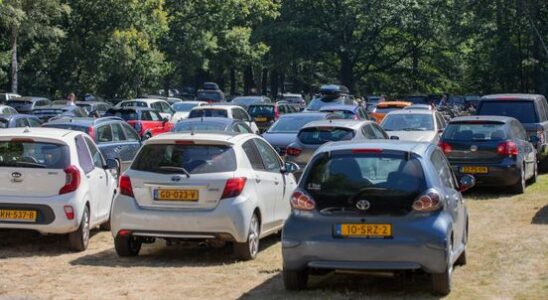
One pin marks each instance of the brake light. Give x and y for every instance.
(301, 201)
(72, 181)
(372, 150)
(124, 232)
(508, 148)
(125, 186)
(91, 133)
(138, 126)
(69, 212)
(184, 142)
(234, 187)
(429, 201)
(276, 112)
(22, 140)
(445, 147)
(292, 151)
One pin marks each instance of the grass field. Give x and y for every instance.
(507, 259)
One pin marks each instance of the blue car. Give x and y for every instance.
(377, 206)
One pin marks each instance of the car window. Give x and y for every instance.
(543, 114)
(442, 169)
(524, 111)
(29, 154)
(475, 131)
(34, 122)
(84, 157)
(518, 131)
(368, 132)
(155, 116)
(324, 134)
(236, 114)
(250, 150)
(165, 107)
(145, 116)
(415, 122)
(130, 133)
(377, 130)
(95, 154)
(243, 128)
(197, 113)
(270, 158)
(156, 105)
(117, 132)
(21, 122)
(104, 134)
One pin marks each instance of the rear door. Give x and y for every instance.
(100, 182)
(103, 138)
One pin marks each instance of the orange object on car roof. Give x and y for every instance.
(385, 107)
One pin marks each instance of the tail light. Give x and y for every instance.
(507, 148)
(276, 112)
(234, 187)
(125, 186)
(69, 212)
(91, 133)
(292, 151)
(301, 201)
(429, 201)
(138, 126)
(72, 181)
(445, 147)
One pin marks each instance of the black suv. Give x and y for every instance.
(531, 110)
(113, 136)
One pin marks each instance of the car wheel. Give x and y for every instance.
(295, 280)
(127, 246)
(519, 187)
(441, 282)
(79, 239)
(249, 249)
(535, 174)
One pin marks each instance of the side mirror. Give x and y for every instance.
(440, 130)
(290, 167)
(466, 182)
(534, 139)
(112, 164)
(393, 137)
(144, 137)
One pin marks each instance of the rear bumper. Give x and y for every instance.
(498, 175)
(228, 221)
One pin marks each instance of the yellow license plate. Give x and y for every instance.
(18, 215)
(176, 195)
(260, 119)
(474, 170)
(364, 230)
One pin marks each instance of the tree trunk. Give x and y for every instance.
(346, 71)
(282, 81)
(264, 82)
(232, 81)
(248, 80)
(14, 66)
(274, 83)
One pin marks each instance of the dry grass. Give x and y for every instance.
(507, 258)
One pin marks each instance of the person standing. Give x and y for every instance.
(71, 99)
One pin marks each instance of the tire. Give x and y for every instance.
(519, 187)
(295, 280)
(105, 226)
(127, 246)
(79, 239)
(461, 261)
(249, 249)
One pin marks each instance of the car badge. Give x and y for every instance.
(473, 148)
(363, 205)
(16, 177)
(176, 178)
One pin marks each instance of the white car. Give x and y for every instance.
(417, 125)
(55, 182)
(224, 111)
(182, 109)
(162, 106)
(203, 186)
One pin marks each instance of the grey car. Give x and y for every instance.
(25, 105)
(315, 134)
(386, 206)
(213, 124)
(284, 131)
(415, 125)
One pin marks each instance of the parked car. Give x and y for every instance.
(496, 150)
(385, 107)
(414, 125)
(210, 96)
(266, 114)
(419, 99)
(296, 100)
(170, 100)
(8, 96)
(355, 112)
(246, 101)
(314, 134)
(285, 130)
(147, 122)
(331, 95)
(94, 107)
(25, 105)
(204, 186)
(57, 182)
(530, 110)
(182, 109)
(112, 135)
(224, 111)
(471, 100)
(18, 120)
(420, 107)
(372, 102)
(212, 125)
(59, 111)
(385, 206)
(7, 110)
(162, 106)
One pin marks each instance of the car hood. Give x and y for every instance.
(417, 136)
(280, 139)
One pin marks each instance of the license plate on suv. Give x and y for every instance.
(260, 119)
(363, 230)
(474, 170)
(176, 195)
(18, 215)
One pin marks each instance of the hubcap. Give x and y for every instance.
(85, 228)
(254, 236)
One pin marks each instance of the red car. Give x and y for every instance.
(147, 122)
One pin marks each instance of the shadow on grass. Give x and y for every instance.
(347, 286)
(487, 193)
(187, 254)
(541, 217)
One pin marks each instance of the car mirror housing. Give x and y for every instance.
(466, 182)
(112, 164)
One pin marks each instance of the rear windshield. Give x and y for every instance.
(197, 113)
(293, 99)
(181, 106)
(322, 135)
(194, 159)
(23, 154)
(341, 114)
(385, 110)
(292, 124)
(261, 110)
(201, 126)
(524, 111)
(317, 103)
(334, 180)
(67, 126)
(411, 122)
(468, 132)
(126, 115)
(18, 102)
(209, 96)
(134, 104)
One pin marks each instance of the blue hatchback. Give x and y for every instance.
(377, 206)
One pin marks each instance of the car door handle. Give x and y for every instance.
(257, 179)
(276, 181)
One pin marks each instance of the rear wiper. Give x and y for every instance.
(330, 210)
(31, 164)
(176, 169)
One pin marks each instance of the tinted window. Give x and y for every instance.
(412, 122)
(524, 111)
(270, 158)
(127, 115)
(195, 159)
(253, 155)
(130, 133)
(34, 122)
(4, 123)
(292, 124)
(321, 135)
(467, 132)
(95, 154)
(21, 122)
(33, 155)
(104, 134)
(262, 110)
(117, 132)
(199, 126)
(442, 169)
(198, 113)
(134, 103)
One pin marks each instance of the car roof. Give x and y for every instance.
(87, 122)
(226, 121)
(353, 124)
(304, 114)
(217, 106)
(190, 102)
(482, 118)
(91, 102)
(38, 132)
(221, 137)
(292, 95)
(407, 111)
(339, 107)
(512, 97)
(57, 106)
(396, 145)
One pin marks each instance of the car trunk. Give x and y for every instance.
(473, 151)
(31, 182)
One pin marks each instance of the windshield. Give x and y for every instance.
(194, 159)
(317, 103)
(524, 111)
(199, 126)
(126, 115)
(181, 106)
(261, 110)
(292, 124)
(33, 155)
(475, 132)
(198, 113)
(134, 104)
(410, 122)
(322, 135)
(18, 102)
